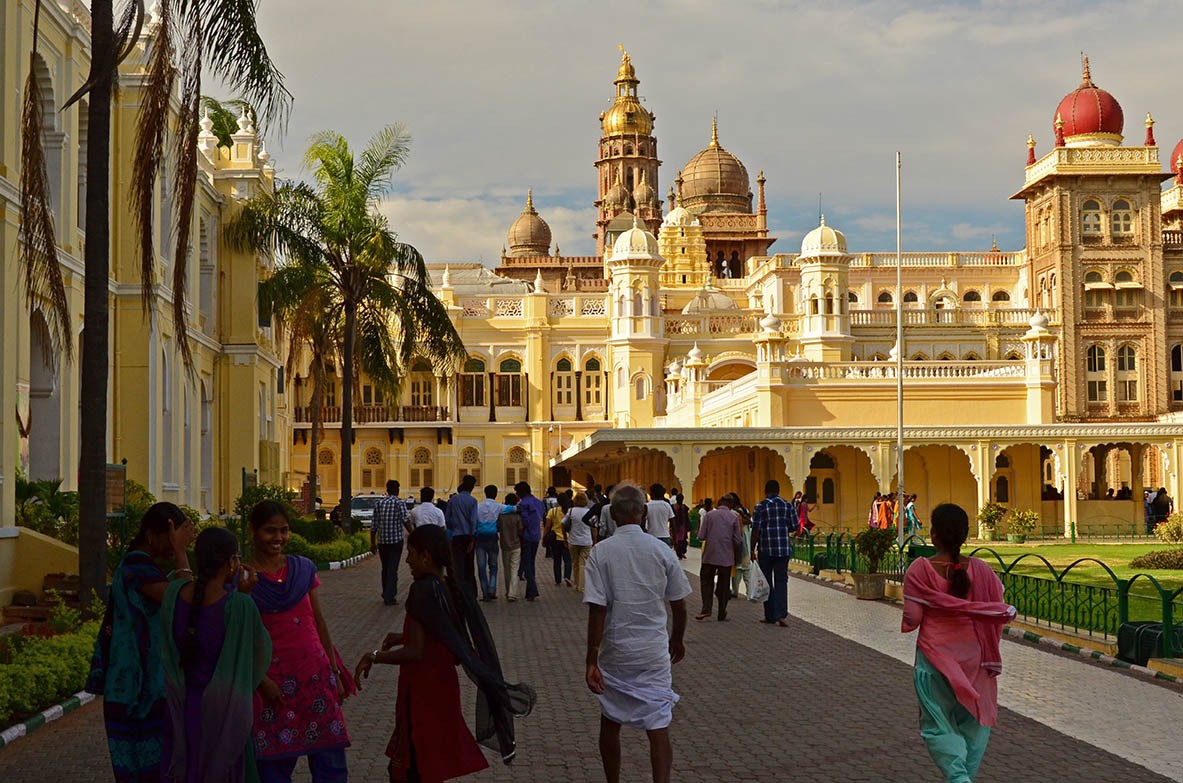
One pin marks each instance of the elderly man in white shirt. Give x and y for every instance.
(630, 578)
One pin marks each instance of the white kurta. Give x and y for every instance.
(634, 576)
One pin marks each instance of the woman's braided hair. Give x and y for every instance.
(950, 528)
(213, 549)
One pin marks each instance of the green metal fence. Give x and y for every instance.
(1053, 599)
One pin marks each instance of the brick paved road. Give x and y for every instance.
(798, 705)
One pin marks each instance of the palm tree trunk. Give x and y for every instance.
(347, 409)
(92, 479)
(314, 448)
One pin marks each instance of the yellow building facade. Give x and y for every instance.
(689, 353)
(187, 437)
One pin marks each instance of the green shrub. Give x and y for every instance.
(43, 672)
(298, 545)
(317, 531)
(257, 494)
(1159, 558)
(1170, 531)
(990, 515)
(1021, 521)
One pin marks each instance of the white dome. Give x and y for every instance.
(823, 241)
(634, 243)
(1038, 321)
(707, 300)
(696, 354)
(679, 216)
(770, 323)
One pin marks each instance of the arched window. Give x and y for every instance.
(1128, 293)
(166, 419)
(827, 491)
(1000, 296)
(373, 469)
(509, 383)
(517, 466)
(564, 383)
(472, 383)
(1014, 356)
(829, 303)
(1127, 374)
(641, 386)
(1090, 218)
(884, 297)
(422, 468)
(1122, 221)
(1175, 284)
(919, 357)
(1177, 373)
(593, 384)
(910, 297)
(1001, 490)
(972, 296)
(813, 305)
(971, 357)
(852, 297)
(325, 458)
(638, 304)
(470, 463)
(822, 461)
(946, 357)
(1002, 461)
(1095, 374)
(1094, 289)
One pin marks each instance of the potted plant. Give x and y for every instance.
(872, 544)
(988, 518)
(1020, 523)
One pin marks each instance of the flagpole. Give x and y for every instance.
(899, 358)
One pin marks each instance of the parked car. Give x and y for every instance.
(362, 510)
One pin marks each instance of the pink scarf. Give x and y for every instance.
(941, 617)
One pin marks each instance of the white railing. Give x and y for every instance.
(711, 324)
(1016, 316)
(887, 260)
(1092, 156)
(727, 394)
(847, 371)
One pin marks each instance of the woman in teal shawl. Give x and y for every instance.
(126, 669)
(216, 654)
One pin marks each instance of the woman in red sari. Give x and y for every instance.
(444, 627)
(299, 713)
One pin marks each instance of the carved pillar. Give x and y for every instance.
(1072, 459)
(578, 395)
(492, 398)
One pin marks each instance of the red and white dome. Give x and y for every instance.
(1091, 117)
(1176, 154)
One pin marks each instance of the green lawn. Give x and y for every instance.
(1116, 556)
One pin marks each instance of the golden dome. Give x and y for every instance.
(529, 235)
(626, 115)
(714, 180)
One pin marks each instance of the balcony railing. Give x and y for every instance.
(1010, 316)
(848, 371)
(375, 414)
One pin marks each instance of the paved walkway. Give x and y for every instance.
(828, 699)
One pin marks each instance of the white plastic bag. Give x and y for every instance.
(758, 587)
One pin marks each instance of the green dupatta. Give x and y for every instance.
(227, 753)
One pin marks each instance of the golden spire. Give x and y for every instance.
(1059, 120)
(1149, 120)
(530, 200)
(715, 131)
(1086, 78)
(1030, 141)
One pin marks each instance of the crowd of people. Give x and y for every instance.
(885, 513)
(226, 670)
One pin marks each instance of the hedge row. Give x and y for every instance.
(44, 672)
(338, 549)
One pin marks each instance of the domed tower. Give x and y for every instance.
(684, 249)
(627, 165)
(529, 235)
(825, 316)
(1172, 197)
(637, 343)
(714, 187)
(1094, 212)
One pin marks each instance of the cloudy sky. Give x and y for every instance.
(504, 95)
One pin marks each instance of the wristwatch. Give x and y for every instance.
(374, 656)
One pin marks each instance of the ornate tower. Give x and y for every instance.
(637, 343)
(626, 168)
(825, 316)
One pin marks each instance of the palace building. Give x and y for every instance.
(188, 437)
(690, 351)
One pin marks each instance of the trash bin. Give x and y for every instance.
(1138, 642)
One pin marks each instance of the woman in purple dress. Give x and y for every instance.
(216, 653)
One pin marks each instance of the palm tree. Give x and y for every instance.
(224, 115)
(222, 36)
(377, 289)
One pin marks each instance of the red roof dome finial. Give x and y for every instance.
(1091, 116)
(1059, 130)
(1176, 162)
(1030, 149)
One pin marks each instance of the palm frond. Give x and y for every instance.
(384, 155)
(127, 34)
(151, 128)
(185, 185)
(224, 115)
(236, 54)
(43, 273)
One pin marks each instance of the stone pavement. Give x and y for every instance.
(828, 699)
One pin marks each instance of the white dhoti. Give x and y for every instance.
(639, 700)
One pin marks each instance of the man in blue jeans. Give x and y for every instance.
(774, 521)
(532, 511)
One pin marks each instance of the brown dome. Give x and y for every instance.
(714, 180)
(529, 235)
(617, 198)
(643, 194)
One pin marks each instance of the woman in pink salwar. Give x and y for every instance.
(299, 713)
(956, 602)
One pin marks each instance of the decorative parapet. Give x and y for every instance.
(1018, 317)
(1090, 160)
(859, 371)
(711, 324)
(922, 260)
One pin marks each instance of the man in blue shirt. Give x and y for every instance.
(460, 518)
(532, 512)
(774, 521)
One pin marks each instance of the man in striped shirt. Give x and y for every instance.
(774, 521)
(386, 539)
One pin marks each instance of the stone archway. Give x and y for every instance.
(740, 469)
(45, 404)
(1111, 484)
(841, 483)
(939, 474)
